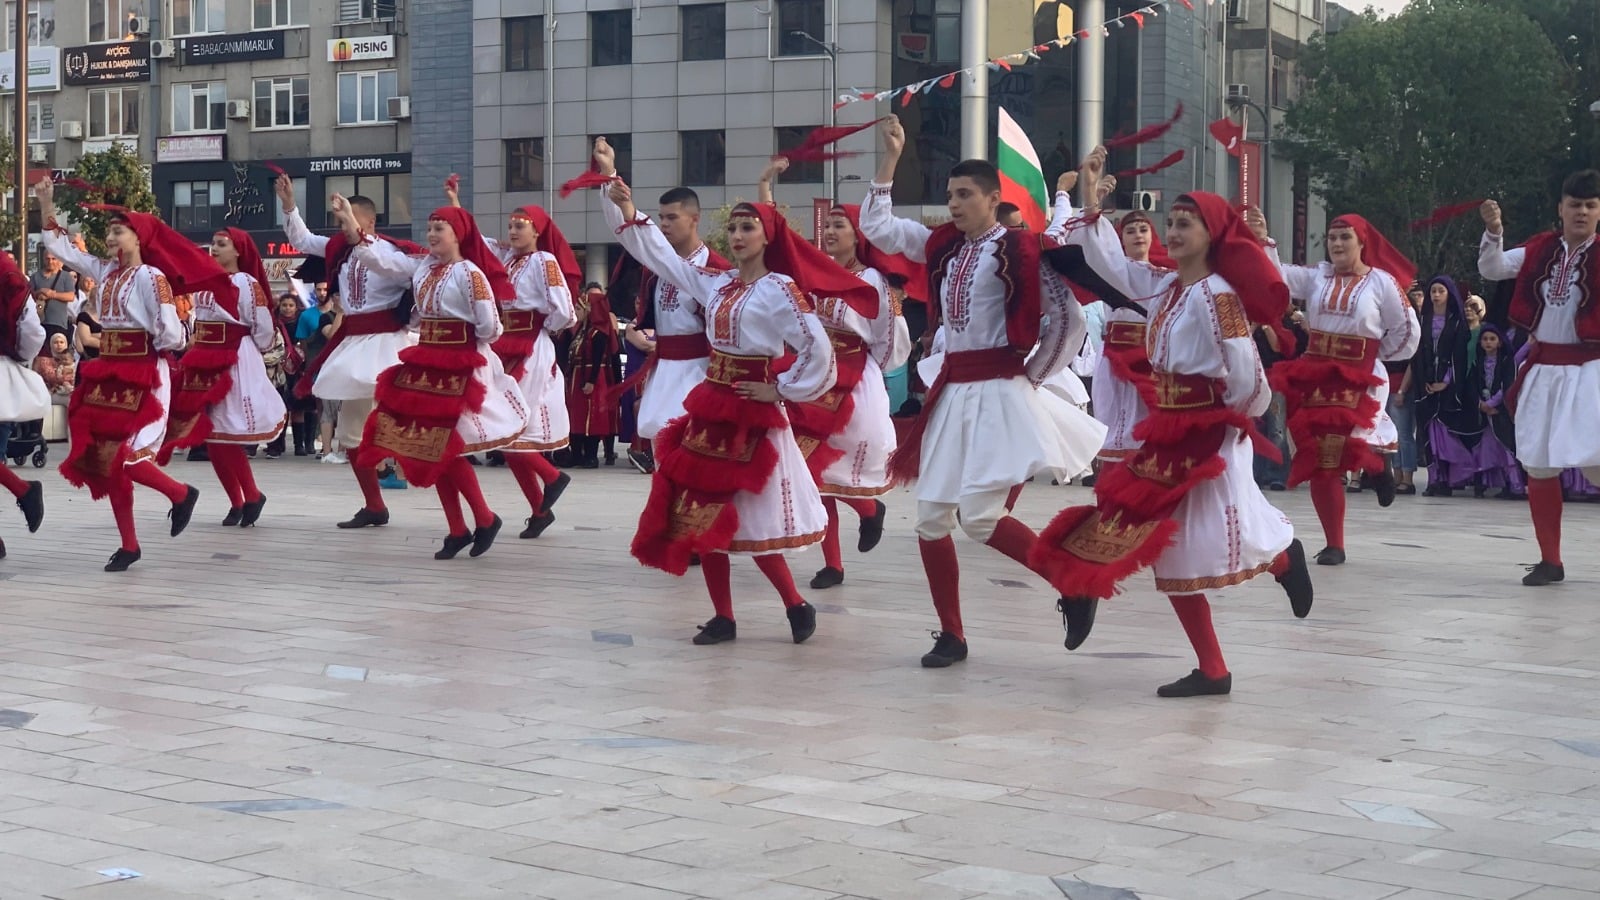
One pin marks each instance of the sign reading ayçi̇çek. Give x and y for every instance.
(120, 63)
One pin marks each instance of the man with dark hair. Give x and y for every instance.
(371, 333)
(1556, 397)
(1010, 215)
(670, 326)
(982, 430)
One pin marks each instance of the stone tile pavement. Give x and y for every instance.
(298, 713)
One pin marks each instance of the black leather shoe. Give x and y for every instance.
(2, 549)
(947, 651)
(1438, 490)
(802, 622)
(537, 525)
(251, 512)
(716, 631)
(183, 511)
(483, 537)
(1297, 581)
(1544, 573)
(1196, 684)
(32, 505)
(1077, 617)
(122, 559)
(231, 520)
(453, 544)
(365, 517)
(1331, 556)
(553, 492)
(827, 578)
(872, 529)
(1384, 485)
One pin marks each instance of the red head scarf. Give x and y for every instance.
(553, 242)
(913, 278)
(249, 257)
(475, 251)
(1158, 250)
(188, 269)
(1239, 258)
(600, 321)
(14, 293)
(1376, 251)
(813, 271)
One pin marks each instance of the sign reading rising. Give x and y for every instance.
(124, 62)
(379, 46)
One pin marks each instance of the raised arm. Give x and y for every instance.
(777, 167)
(381, 256)
(813, 372)
(1063, 330)
(1495, 262)
(294, 227)
(644, 241)
(878, 221)
(59, 245)
(1401, 333)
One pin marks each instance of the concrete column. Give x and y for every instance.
(975, 90)
(594, 264)
(1091, 74)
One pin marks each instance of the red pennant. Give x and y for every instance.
(1167, 162)
(1083, 35)
(1446, 213)
(1137, 17)
(1228, 133)
(1001, 62)
(947, 80)
(905, 99)
(1187, 4)
(1147, 133)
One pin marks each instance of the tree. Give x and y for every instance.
(9, 225)
(1448, 102)
(114, 176)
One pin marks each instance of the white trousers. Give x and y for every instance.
(979, 514)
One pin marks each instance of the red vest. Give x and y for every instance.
(1019, 270)
(1538, 267)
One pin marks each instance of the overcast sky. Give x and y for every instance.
(1383, 6)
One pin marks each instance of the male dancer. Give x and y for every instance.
(23, 395)
(1557, 392)
(369, 338)
(982, 431)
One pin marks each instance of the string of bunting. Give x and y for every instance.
(906, 92)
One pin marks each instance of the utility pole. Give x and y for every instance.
(20, 145)
(975, 88)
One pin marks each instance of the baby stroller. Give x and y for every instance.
(28, 438)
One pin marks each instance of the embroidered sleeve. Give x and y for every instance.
(552, 274)
(163, 290)
(262, 300)
(1231, 318)
(479, 285)
(798, 297)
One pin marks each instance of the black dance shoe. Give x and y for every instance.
(947, 651)
(1544, 573)
(453, 544)
(183, 511)
(1331, 556)
(32, 505)
(802, 622)
(483, 537)
(122, 559)
(1077, 617)
(1196, 684)
(251, 512)
(231, 520)
(1297, 581)
(872, 529)
(537, 525)
(553, 492)
(716, 631)
(1384, 485)
(827, 578)
(365, 517)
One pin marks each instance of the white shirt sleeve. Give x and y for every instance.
(62, 248)
(645, 242)
(1401, 332)
(1495, 262)
(1062, 334)
(1304, 281)
(30, 333)
(890, 233)
(557, 305)
(813, 372)
(294, 228)
(386, 259)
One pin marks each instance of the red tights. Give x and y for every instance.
(532, 472)
(1544, 504)
(1327, 496)
(717, 569)
(121, 496)
(1195, 615)
(944, 582)
(11, 481)
(367, 478)
(459, 483)
(864, 507)
(233, 470)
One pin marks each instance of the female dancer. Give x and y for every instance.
(224, 398)
(449, 395)
(1187, 502)
(23, 394)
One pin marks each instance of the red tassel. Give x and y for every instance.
(1446, 213)
(453, 183)
(586, 180)
(274, 168)
(1167, 162)
(79, 184)
(815, 146)
(1147, 133)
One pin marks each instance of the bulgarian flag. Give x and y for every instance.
(1021, 176)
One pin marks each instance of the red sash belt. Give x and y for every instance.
(1086, 551)
(419, 402)
(717, 449)
(520, 335)
(126, 343)
(113, 399)
(1125, 334)
(961, 367)
(519, 320)
(1326, 394)
(358, 325)
(1127, 357)
(445, 332)
(1543, 354)
(220, 334)
(682, 346)
(816, 421)
(203, 378)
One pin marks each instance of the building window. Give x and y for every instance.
(705, 29)
(41, 119)
(799, 15)
(1281, 88)
(524, 43)
(623, 145)
(199, 205)
(199, 107)
(41, 23)
(114, 112)
(198, 17)
(281, 13)
(800, 172)
(611, 38)
(364, 96)
(704, 155)
(390, 194)
(524, 164)
(283, 102)
(108, 20)
(278, 216)
(365, 10)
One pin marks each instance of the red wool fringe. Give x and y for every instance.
(689, 480)
(398, 399)
(188, 425)
(1297, 380)
(514, 350)
(100, 433)
(1133, 366)
(1445, 213)
(1146, 134)
(828, 415)
(1167, 162)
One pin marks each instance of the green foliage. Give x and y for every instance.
(119, 178)
(1450, 101)
(717, 237)
(10, 228)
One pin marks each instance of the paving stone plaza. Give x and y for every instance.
(298, 713)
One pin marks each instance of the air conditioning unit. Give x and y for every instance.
(163, 49)
(72, 131)
(139, 25)
(1238, 10)
(38, 153)
(1146, 201)
(1238, 93)
(238, 109)
(399, 107)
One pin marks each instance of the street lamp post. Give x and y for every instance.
(1247, 104)
(19, 147)
(832, 51)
